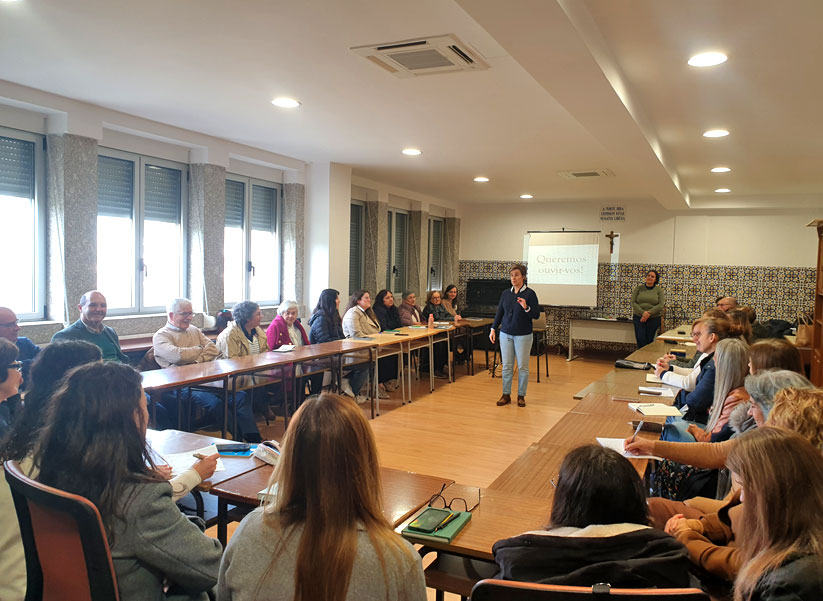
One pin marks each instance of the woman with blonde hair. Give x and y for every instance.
(781, 544)
(323, 535)
(731, 367)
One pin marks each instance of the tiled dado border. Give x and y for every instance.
(774, 292)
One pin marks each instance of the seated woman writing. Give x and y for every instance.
(323, 534)
(599, 531)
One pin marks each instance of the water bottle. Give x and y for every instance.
(431, 320)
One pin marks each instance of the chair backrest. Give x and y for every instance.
(67, 552)
(509, 590)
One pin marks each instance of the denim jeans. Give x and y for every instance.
(213, 405)
(512, 347)
(676, 430)
(645, 331)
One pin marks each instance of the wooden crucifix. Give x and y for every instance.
(611, 236)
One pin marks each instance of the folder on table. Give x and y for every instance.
(656, 391)
(445, 534)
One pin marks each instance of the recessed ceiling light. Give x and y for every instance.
(722, 190)
(721, 169)
(284, 102)
(715, 133)
(707, 59)
(481, 178)
(526, 196)
(412, 152)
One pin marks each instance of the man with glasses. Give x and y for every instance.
(180, 343)
(26, 349)
(89, 327)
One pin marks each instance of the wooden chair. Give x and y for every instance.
(67, 552)
(508, 590)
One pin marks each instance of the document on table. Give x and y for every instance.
(653, 379)
(180, 462)
(616, 444)
(656, 391)
(283, 349)
(655, 409)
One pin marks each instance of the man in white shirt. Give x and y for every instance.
(180, 343)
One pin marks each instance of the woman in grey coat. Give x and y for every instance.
(93, 444)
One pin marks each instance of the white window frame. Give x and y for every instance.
(248, 182)
(138, 218)
(362, 250)
(438, 269)
(40, 252)
(392, 258)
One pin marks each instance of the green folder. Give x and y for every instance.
(445, 534)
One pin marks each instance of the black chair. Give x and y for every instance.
(67, 551)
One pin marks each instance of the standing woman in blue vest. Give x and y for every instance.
(647, 305)
(515, 314)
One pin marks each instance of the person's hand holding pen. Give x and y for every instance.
(661, 367)
(639, 446)
(205, 465)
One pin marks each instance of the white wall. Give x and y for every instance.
(650, 233)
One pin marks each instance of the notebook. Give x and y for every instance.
(445, 534)
(617, 444)
(283, 349)
(656, 391)
(654, 409)
(653, 379)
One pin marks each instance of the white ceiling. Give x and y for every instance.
(572, 84)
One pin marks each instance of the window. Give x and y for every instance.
(140, 236)
(23, 241)
(251, 252)
(356, 246)
(396, 269)
(435, 278)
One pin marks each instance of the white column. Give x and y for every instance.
(327, 216)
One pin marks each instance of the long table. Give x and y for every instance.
(603, 330)
(403, 493)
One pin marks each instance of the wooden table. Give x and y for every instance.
(501, 514)
(679, 334)
(403, 493)
(531, 473)
(475, 326)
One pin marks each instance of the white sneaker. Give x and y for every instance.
(382, 394)
(361, 399)
(345, 388)
(392, 385)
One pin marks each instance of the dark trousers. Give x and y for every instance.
(645, 332)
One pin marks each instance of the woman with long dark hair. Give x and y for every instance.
(93, 444)
(389, 318)
(599, 531)
(325, 325)
(323, 535)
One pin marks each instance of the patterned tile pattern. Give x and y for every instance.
(775, 292)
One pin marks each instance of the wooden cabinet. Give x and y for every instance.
(817, 341)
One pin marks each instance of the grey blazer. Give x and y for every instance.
(157, 544)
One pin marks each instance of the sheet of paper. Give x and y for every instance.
(283, 349)
(655, 409)
(653, 379)
(180, 462)
(658, 391)
(616, 444)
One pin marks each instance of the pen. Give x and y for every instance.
(640, 425)
(448, 519)
(198, 455)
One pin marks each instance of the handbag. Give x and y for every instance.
(805, 331)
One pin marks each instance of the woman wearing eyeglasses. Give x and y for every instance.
(599, 531)
(323, 535)
(11, 379)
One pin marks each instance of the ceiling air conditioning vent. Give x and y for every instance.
(423, 56)
(585, 173)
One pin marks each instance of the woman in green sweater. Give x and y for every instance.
(647, 304)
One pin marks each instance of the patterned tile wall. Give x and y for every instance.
(774, 292)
